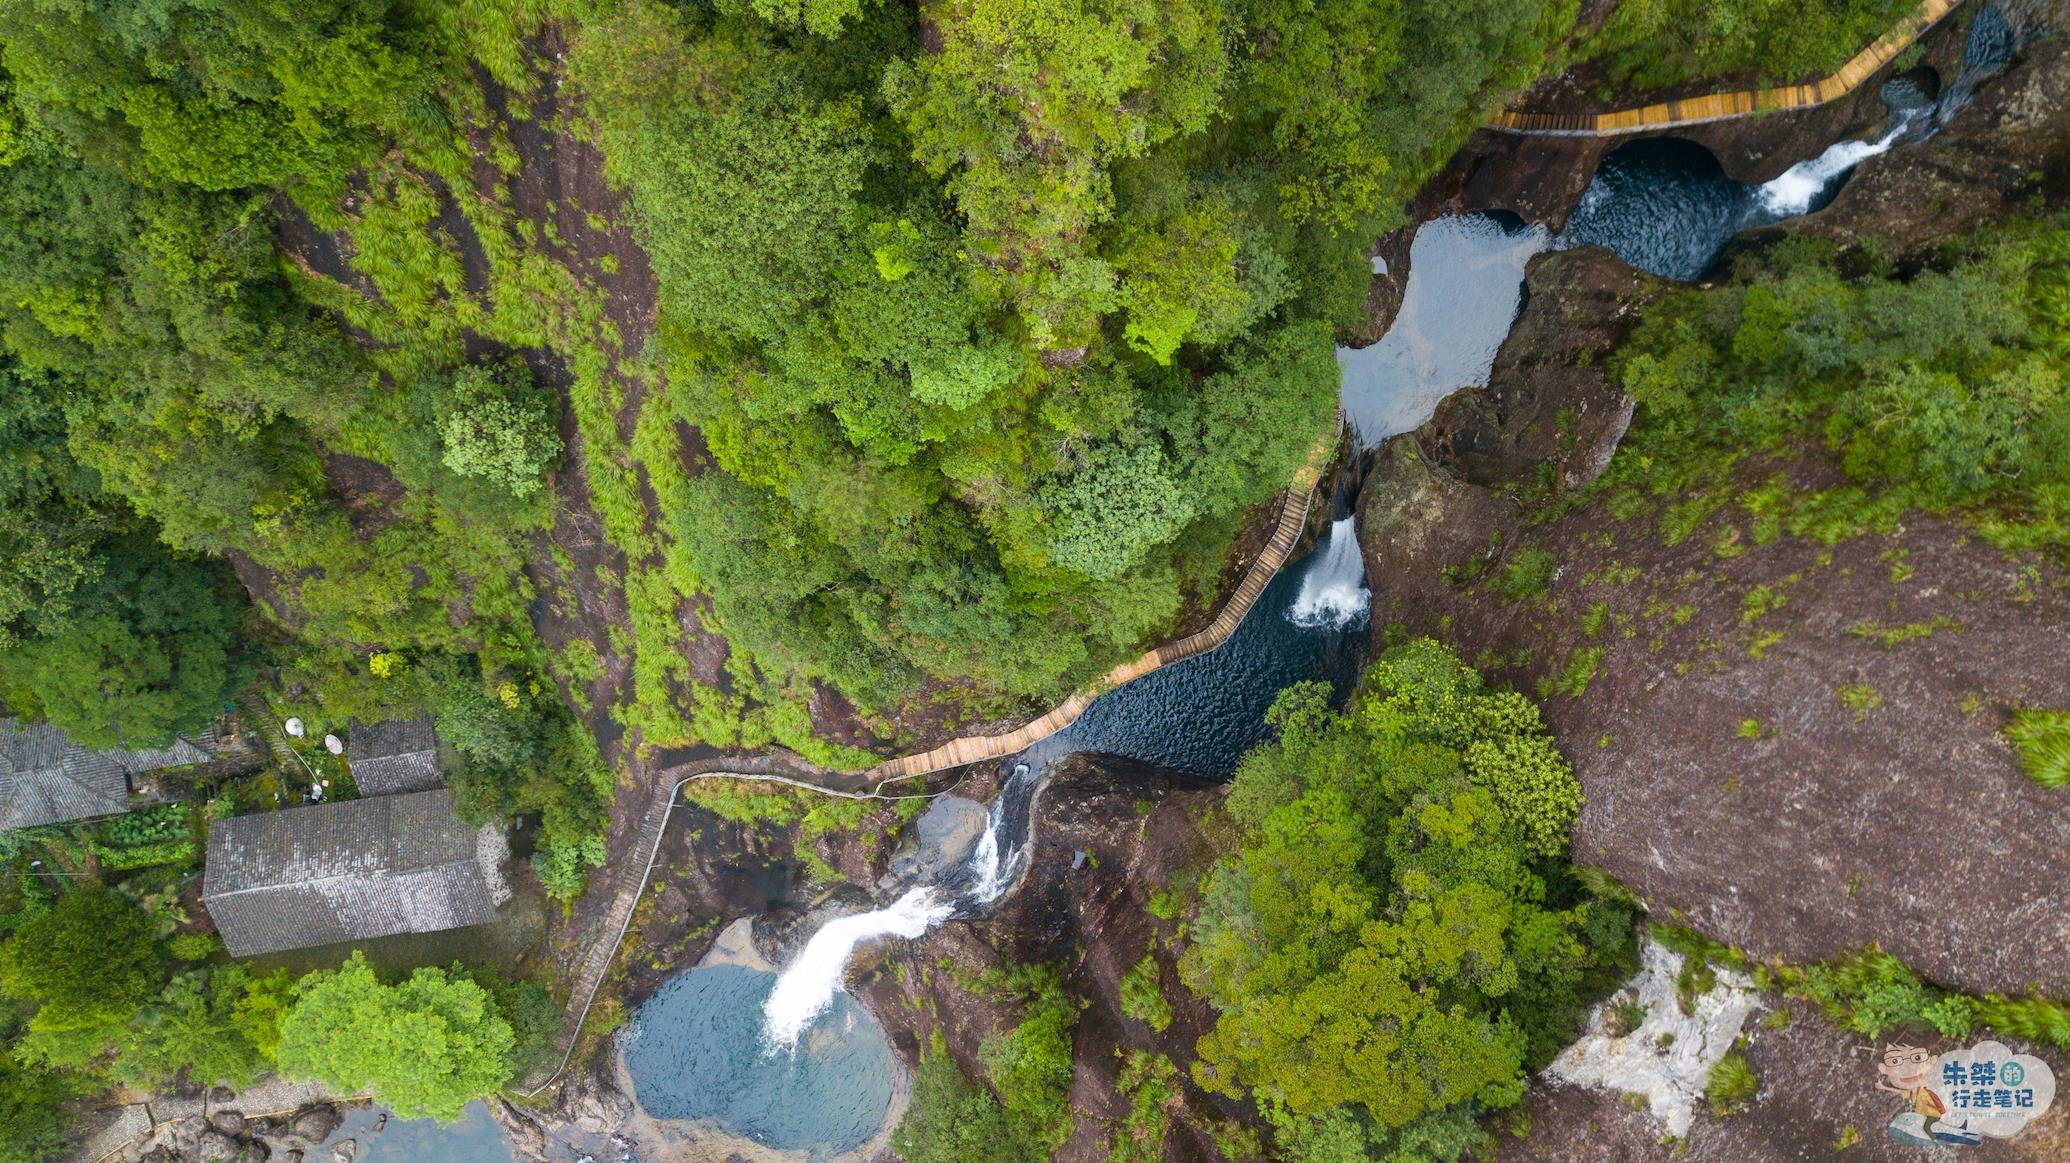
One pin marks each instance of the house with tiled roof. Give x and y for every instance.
(350, 871)
(400, 755)
(45, 778)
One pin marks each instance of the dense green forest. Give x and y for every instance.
(487, 361)
(974, 332)
(1939, 388)
(923, 352)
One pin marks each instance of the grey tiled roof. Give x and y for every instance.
(400, 755)
(349, 871)
(45, 778)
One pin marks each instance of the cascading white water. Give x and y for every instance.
(807, 986)
(992, 869)
(1794, 191)
(1333, 592)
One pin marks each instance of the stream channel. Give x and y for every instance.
(792, 1062)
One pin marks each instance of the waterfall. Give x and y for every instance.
(1990, 46)
(1799, 186)
(807, 987)
(1333, 592)
(808, 984)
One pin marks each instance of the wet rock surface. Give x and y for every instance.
(940, 839)
(1828, 824)
(1108, 836)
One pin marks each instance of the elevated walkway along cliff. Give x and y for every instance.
(632, 876)
(1740, 103)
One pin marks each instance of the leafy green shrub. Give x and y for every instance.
(1142, 995)
(144, 838)
(90, 960)
(147, 855)
(1165, 905)
(1151, 1084)
(426, 1046)
(952, 1120)
(1861, 698)
(1731, 1085)
(1527, 575)
(193, 946)
(562, 864)
(2042, 739)
(1030, 1065)
(499, 427)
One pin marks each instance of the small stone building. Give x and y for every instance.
(45, 778)
(350, 871)
(400, 755)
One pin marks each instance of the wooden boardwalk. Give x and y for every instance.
(1293, 517)
(632, 876)
(1743, 103)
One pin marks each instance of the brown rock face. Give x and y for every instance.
(1817, 1102)
(1799, 777)
(1108, 836)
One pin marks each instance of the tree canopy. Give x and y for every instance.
(426, 1046)
(1397, 940)
(90, 960)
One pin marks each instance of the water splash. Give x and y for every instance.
(1333, 592)
(807, 987)
(809, 982)
(1800, 186)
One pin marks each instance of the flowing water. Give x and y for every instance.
(1811, 184)
(811, 980)
(1466, 281)
(792, 1060)
(1665, 205)
(696, 1051)
(1333, 593)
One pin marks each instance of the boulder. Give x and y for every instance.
(345, 1151)
(525, 1138)
(316, 1124)
(229, 1122)
(213, 1146)
(592, 1105)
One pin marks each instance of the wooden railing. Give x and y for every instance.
(1743, 103)
(1293, 517)
(632, 878)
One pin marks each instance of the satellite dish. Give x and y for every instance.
(334, 745)
(293, 727)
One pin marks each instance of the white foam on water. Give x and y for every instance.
(1792, 193)
(808, 985)
(1333, 592)
(988, 871)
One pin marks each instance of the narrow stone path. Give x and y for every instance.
(1742, 103)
